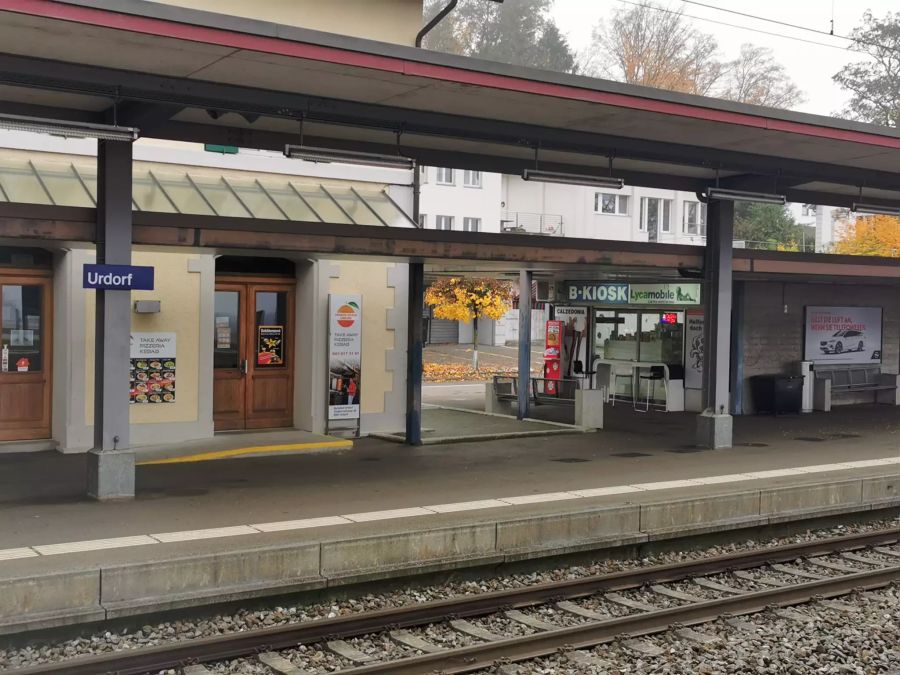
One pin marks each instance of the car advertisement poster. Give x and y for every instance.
(344, 355)
(849, 335)
(152, 368)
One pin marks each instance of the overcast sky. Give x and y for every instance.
(810, 65)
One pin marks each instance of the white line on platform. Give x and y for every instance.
(16, 553)
(212, 533)
(283, 525)
(286, 525)
(94, 545)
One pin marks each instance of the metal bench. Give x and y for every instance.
(836, 381)
(554, 391)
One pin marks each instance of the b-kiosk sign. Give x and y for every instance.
(118, 277)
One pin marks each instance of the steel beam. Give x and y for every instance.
(525, 279)
(416, 307)
(111, 465)
(714, 426)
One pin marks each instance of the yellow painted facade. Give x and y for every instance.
(395, 21)
(179, 291)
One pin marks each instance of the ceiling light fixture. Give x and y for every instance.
(66, 129)
(725, 194)
(328, 156)
(573, 179)
(875, 209)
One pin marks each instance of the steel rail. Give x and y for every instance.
(235, 645)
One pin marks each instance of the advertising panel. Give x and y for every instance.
(269, 346)
(664, 294)
(344, 356)
(843, 335)
(612, 293)
(575, 337)
(152, 368)
(693, 350)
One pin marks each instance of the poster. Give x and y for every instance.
(152, 368)
(269, 346)
(664, 294)
(575, 336)
(344, 354)
(850, 335)
(223, 332)
(693, 350)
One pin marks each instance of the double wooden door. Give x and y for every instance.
(253, 356)
(25, 373)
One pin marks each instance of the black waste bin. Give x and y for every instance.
(777, 394)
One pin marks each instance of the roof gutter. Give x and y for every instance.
(430, 26)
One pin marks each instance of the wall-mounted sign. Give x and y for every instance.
(843, 335)
(269, 346)
(693, 350)
(118, 277)
(344, 356)
(664, 294)
(609, 293)
(153, 368)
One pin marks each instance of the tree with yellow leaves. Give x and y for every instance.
(872, 235)
(467, 299)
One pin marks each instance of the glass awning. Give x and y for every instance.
(169, 190)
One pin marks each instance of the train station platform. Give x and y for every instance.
(205, 532)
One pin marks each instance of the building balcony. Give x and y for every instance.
(519, 222)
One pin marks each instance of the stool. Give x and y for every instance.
(616, 376)
(581, 373)
(655, 374)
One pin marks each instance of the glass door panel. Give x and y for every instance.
(21, 327)
(271, 329)
(227, 330)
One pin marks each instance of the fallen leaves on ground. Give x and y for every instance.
(456, 372)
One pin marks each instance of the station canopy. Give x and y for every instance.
(196, 76)
(184, 190)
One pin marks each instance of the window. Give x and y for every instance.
(443, 222)
(655, 216)
(423, 221)
(472, 179)
(445, 176)
(694, 218)
(423, 174)
(611, 204)
(471, 224)
(652, 335)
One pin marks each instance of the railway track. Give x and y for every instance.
(534, 621)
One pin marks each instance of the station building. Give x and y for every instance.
(247, 250)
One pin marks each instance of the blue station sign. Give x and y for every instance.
(118, 277)
(612, 293)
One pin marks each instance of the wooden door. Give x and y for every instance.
(26, 330)
(254, 368)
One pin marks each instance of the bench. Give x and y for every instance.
(836, 381)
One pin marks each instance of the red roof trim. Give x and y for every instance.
(257, 43)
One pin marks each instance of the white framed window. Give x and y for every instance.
(610, 204)
(472, 178)
(445, 176)
(423, 221)
(694, 218)
(443, 222)
(471, 224)
(656, 215)
(423, 174)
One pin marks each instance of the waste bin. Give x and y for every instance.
(777, 394)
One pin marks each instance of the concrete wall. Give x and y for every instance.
(772, 338)
(395, 21)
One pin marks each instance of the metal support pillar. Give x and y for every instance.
(416, 309)
(525, 277)
(714, 425)
(111, 463)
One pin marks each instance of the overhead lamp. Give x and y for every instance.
(876, 209)
(573, 179)
(725, 194)
(67, 129)
(329, 156)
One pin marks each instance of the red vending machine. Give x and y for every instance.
(553, 367)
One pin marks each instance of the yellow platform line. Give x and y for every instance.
(253, 450)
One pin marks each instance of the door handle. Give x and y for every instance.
(244, 367)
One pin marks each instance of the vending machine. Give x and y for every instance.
(553, 348)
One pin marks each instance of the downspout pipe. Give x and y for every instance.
(435, 21)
